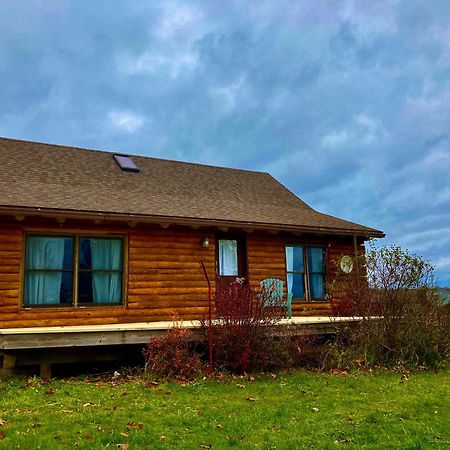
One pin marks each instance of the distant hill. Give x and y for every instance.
(444, 292)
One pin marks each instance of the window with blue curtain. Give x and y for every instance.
(316, 272)
(50, 276)
(305, 272)
(100, 270)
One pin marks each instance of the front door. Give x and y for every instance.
(231, 256)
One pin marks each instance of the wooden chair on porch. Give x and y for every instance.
(274, 294)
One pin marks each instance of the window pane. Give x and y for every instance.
(53, 253)
(48, 288)
(228, 258)
(85, 294)
(316, 286)
(100, 287)
(85, 257)
(107, 287)
(315, 259)
(294, 259)
(45, 282)
(296, 285)
(100, 254)
(66, 288)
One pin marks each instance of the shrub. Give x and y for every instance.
(243, 330)
(403, 319)
(173, 355)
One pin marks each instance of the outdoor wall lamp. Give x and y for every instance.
(205, 242)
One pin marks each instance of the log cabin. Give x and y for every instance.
(115, 242)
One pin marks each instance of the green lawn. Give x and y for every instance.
(290, 411)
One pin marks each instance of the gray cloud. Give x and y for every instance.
(347, 104)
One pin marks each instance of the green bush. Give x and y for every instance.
(403, 321)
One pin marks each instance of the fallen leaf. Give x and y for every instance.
(344, 441)
(2, 435)
(315, 410)
(155, 383)
(88, 438)
(251, 378)
(205, 446)
(31, 382)
(219, 426)
(24, 411)
(124, 446)
(135, 426)
(50, 391)
(240, 386)
(3, 422)
(124, 434)
(90, 405)
(339, 372)
(162, 438)
(251, 399)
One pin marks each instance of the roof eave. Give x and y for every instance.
(188, 221)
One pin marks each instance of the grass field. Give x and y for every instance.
(287, 411)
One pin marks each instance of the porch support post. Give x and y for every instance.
(355, 248)
(45, 370)
(9, 361)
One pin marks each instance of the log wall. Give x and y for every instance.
(266, 258)
(164, 275)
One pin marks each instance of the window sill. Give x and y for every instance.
(71, 307)
(302, 301)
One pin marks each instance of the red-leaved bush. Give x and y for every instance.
(173, 355)
(243, 329)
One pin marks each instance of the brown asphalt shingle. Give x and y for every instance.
(57, 177)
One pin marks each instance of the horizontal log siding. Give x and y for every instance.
(342, 286)
(266, 259)
(164, 277)
(10, 256)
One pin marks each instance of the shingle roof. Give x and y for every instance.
(54, 177)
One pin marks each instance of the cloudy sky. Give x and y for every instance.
(345, 102)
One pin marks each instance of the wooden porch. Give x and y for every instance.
(44, 346)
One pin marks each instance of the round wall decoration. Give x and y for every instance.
(346, 264)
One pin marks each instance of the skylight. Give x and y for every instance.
(126, 163)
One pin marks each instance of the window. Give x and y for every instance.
(73, 270)
(231, 256)
(126, 163)
(305, 272)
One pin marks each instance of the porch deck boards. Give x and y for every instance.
(133, 333)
